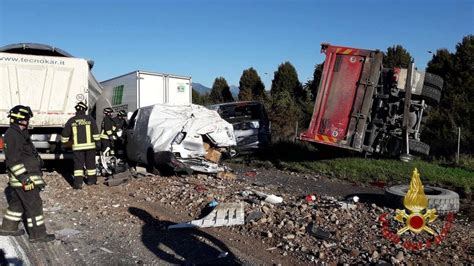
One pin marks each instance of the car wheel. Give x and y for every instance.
(443, 200)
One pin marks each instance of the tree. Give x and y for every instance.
(306, 103)
(251, 86)
(286, 79)
(456, 107)
(396, 56)
(220, 92)
(196, 97)
(285, 91)
(200, 99)
(314, 85)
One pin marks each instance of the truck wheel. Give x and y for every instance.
(418, 147)
(443, 200)
(431, 91)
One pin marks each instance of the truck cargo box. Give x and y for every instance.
(344, 97)
(51, 86)
(50, 81)
(143, 88)
(364, 107)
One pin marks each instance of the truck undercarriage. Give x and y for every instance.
(364, 107)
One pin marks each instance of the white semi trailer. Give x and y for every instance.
(51, 82)
(138, 89)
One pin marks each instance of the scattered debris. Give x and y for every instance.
(246, 193)
(268, 234)
(226, 175)
(317, 232)
(254, 216)
(212, 154)
(310, 198)
(273, 199)
(225, 214)
(347, 206)
(356, 232)
(252, 173)
(200, 188)
(106, 250)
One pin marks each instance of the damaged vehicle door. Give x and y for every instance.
(250, 122)
(189, 135)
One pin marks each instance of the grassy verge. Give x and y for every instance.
(305, 158)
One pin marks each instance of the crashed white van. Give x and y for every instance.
(186, 133)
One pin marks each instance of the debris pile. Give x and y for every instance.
(315, 229)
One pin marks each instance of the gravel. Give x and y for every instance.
(99, 223)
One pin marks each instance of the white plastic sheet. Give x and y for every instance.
(167, 121)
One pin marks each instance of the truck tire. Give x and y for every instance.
(443, 200)
(432, 87)
(418, 147)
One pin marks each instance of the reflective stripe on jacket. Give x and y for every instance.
(21, 156)
(83, 130)
(14, 182)
(109, 129)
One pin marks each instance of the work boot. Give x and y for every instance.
(78, 180)
(10, 228)
(91, 180)
(38, 234)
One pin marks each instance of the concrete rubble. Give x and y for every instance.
(320, 231)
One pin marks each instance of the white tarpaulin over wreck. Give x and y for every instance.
(194, 122)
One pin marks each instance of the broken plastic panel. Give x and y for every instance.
(225, 214)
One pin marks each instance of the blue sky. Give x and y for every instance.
(211, 38)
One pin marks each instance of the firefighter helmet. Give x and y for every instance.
(122, 113)
(81, 106)
(108, 111)
(20, 113)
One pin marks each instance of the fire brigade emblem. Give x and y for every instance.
(416, 201)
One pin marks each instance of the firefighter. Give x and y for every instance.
(82, 129)
(121, 120)
(108, 132)
(122, 124)
(25, 179)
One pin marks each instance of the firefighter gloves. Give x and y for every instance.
(27, 184)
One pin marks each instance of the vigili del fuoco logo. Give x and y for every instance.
(417, 220)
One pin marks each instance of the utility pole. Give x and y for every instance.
(459, 145)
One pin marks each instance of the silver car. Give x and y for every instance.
(250, 122)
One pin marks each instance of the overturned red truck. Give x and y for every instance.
(362, 106)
